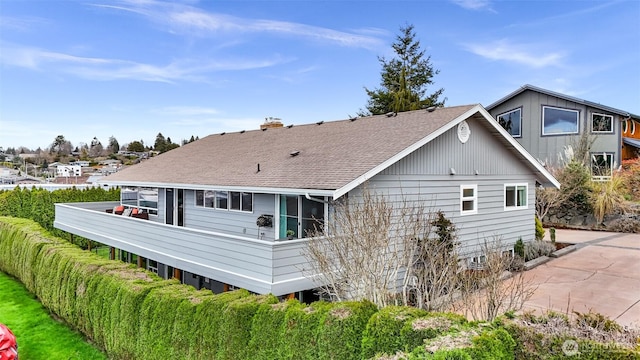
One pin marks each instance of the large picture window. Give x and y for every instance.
(557, 121)
(515, 196)
(601, 123)
(512, 122)
(468, 199)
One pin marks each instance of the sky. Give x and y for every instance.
(135, 68)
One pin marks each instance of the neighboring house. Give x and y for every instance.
(546, 122)
(219, 209)
(68, 170)
(81, 163)
(631, 138)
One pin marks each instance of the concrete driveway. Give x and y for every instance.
(602, 275)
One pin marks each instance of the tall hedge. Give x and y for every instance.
(133, 314)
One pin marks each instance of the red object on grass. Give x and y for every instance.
(8, 344)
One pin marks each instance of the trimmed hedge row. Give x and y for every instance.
(133, 314)
(38, 204)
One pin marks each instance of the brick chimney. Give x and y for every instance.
(271, 122)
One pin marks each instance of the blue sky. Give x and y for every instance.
(133, 68)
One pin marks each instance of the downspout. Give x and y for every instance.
(306, 195)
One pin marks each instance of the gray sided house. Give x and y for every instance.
(233, 209)
(545, 122)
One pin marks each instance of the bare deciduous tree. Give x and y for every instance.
(367, 247)
(493, 290)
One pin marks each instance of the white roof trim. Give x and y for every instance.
(478, 108)
(251, 189)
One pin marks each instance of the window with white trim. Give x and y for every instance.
(625, 126)
(512, 122)
(515, 196)
(241, 201)
(601, 123)
(225, 200)
(558, 121)
(601, 166)
(468, 199)
(140, 197)
(152, 266)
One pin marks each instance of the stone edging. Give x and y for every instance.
(565, 250)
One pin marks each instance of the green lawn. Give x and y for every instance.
(39, 335)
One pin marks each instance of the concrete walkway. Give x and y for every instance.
(602, 275)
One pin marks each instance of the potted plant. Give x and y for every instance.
(290, 234)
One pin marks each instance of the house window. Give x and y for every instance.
(633, 127)
(477, 262)
(152, 266)
(557, 121)
(468, 199)
(241, 201)
(601, 123)
(512, 122)
(601, 166)
(300, 217)
(222, 200)
(146, 198)
(515, 196)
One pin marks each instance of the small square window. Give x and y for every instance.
(468, 199)
(222, 200)
(601, 123)
(512, 122)
(515, 196)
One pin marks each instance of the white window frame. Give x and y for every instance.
(242, 204)
(473, 198)
(153, 269)
(526, 198)
(545, 107)
(520, 119)
(600, 131)
(602, 177)
(633, 127)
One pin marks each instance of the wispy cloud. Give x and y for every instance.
(181, 18)
(22, 24)
(473, 4)
(115, 69)
(532, 55)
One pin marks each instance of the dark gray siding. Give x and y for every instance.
(547, 148)
(425, 176)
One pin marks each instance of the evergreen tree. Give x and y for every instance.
(405, 79)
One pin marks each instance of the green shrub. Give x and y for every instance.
(235, 326)
(539, 229)
(340, 335)
(303, 324)
(267, 331)
(384, 335)
(518, 247)
(493, 345)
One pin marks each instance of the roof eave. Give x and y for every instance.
(547, 178)
(251, 189)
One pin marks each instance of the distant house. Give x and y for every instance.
(81, 163)
(63, 170)
(219, 209)
(545, 122)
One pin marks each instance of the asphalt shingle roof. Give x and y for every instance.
(331, 154)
